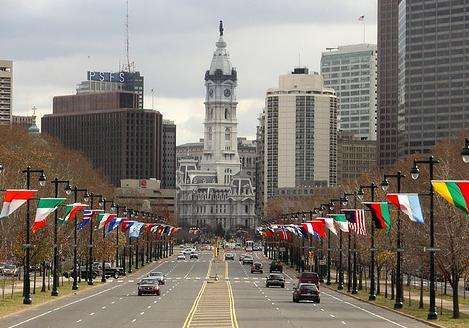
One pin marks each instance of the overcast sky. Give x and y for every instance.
(54, 42)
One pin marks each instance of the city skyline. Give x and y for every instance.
(158, 50)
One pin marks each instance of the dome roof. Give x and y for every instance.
(221, 59)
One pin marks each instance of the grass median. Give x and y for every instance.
(445, 319)
(14, 302)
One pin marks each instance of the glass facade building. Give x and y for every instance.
(351, 71)
(433, 72)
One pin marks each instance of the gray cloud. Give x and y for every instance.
(54, 43)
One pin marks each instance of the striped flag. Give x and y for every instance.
(359, 226)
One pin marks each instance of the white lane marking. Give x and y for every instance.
(134, 320)
(131, 280)
(142, 313)
(332, 316)
(155, 302)
(278, 309)
(364, 310)
(322, 310)
(343, 322)
(78, 321)
(72, 303)
(149, 307)
(120, 281)
(92, 313)
(113, 302)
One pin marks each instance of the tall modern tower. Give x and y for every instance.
(6, 87)
(351, 71)
(300, 146)
(220, 126)
(433, 70)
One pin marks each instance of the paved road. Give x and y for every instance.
(192, 299)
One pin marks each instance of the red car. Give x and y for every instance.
(257, 268)
(309, 278)
(148, 286)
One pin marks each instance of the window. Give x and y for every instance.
(227, 134)
(227, 114)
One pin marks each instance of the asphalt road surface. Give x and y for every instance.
(203, 293)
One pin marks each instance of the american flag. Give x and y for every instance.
(359, 226)
(361, 18)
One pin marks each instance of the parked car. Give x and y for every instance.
(241, 257)
(276, 266)
(309, 278)
(194, 255)
(275, 279)
(109, 271)
(10, 270)
(229, 257)
(248, 259)
(257, 268)
(159, 276)
(148, 286)
(181, 257)
(308, 292)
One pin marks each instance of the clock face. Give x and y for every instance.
(210, 93)
(227, 92)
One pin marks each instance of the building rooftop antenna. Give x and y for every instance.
(127, 42)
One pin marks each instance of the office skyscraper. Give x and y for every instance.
(388, 16)
(351, 71)
(300, 144)
(6, 91)
(433, 78)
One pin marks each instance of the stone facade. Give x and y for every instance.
(212, 189)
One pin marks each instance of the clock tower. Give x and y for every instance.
(220, 125)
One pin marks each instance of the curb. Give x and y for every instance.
(73, 293)
(432, 324)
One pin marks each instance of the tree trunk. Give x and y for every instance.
(360, 279)
(421, 291)
(386, 283)
(43, 267)
(393, 276)
(378, 283)
(454, 286)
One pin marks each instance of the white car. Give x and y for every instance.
(181, 257)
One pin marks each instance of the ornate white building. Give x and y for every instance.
(214, 191)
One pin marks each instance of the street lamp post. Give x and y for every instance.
(75, 257)
(126, 212)
(415, 172)
(398, 279)
(340, 284)
(372, 295)
(26, 280)
(103, 273)
(328, 207)
(90, 244)
(55, 280)
(349, 253)
(465, 151)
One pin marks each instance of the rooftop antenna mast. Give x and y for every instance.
(127, 43)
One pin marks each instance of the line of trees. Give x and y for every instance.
(451, 224)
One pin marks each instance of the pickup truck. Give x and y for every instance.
(109, 271)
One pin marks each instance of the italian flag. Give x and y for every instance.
(71, 211)
(14, 199)
(45, 206)
(104, 218)
(341, 220)
(330, 225)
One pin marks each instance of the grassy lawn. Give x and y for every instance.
(13, 304)
(444, 320)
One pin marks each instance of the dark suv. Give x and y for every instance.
(275, 279)
(308, 292)
(309, 278)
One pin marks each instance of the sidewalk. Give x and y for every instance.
(415, 294)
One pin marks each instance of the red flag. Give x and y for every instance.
(319, 226)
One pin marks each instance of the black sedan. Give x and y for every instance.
(308, 292)
(275, 279)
